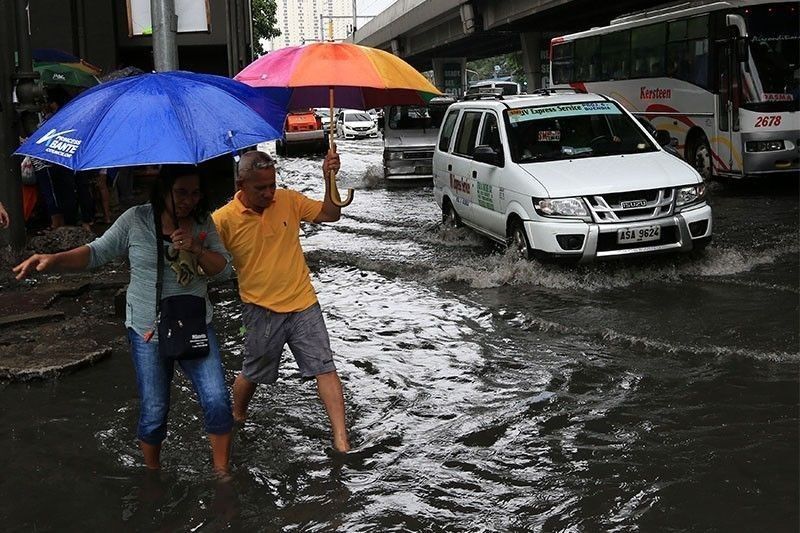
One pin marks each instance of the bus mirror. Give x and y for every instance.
(736, 21)
(742, 50)
(381, 123)
(662, 137)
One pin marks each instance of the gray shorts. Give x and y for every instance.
(267, 332)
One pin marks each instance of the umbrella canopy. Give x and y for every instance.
(341, 74)
(362, 77)
(160, 118)
(64, 74)
(43, 56)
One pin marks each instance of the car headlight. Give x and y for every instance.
(764, 146)
(690, 195)
(560, 207)
(391, 156)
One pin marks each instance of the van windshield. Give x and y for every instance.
(412, 117)
(568, 131)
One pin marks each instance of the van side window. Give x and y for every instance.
(490, 136)
(467, 133)
(447, 130)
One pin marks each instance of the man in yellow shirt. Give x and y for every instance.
(260, 228)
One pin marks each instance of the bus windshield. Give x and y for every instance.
(774, 66)
(558, 132)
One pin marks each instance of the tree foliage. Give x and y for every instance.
(510, 65)
(265, 26)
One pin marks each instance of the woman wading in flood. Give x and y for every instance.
(192, 251)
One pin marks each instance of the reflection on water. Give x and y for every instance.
(483, 393)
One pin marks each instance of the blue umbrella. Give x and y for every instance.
(161, 118)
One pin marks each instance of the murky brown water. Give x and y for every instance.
(483, 394)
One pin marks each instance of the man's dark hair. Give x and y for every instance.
(163, 186)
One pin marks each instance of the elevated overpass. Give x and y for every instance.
(436, 34)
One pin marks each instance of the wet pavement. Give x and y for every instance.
(483, 393)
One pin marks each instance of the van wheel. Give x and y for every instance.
(450, 218)
(701, 158)
(280, 147)
(518, 240)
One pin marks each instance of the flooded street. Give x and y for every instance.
(483, 393)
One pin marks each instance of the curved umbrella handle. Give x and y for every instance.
(335, 197)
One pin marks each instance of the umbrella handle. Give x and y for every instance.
(335, 196)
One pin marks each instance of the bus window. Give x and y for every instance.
(562, 63)
(616, 49)
(647, 50)
(687, 50)
(587, 55)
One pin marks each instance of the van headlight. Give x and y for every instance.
(685, 196)
(561, 207)
(392, 155)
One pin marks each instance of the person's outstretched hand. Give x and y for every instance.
(38, 262)
(4, 219)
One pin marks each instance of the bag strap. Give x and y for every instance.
(159, 262)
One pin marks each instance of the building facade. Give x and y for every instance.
(306, 21)
(117, 33)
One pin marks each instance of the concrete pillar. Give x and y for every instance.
(532, 58)
(449, 75)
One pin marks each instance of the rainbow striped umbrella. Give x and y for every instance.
(342, 74)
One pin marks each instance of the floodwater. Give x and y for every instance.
(483, 393)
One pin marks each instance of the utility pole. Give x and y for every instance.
(165, 31)
(15, 36)
(355, 20)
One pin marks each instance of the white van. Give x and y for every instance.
(505, 87)
(565, 175)
(409, 135)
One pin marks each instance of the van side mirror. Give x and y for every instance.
(381, 123)
(487, 154)
(662, 137)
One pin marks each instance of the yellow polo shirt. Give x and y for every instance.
(266, 250)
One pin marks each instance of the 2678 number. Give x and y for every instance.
(767, 121)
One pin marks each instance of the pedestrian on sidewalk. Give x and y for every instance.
(4, 219)
(260, 227)
(179, 208)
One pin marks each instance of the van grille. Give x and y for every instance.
(631, 206)
(407, 154)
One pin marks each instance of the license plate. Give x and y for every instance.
(647, 233)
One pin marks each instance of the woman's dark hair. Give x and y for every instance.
(167, 177)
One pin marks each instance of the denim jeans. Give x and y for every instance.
(154, 380)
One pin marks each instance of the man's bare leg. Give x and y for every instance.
(329, 387)
(220, 451)
(243, 390)
(152, 455)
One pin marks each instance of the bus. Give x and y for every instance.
(721, 76)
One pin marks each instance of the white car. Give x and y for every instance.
(565, 175)
(324, 115)
(355, 125)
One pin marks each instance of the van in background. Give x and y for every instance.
(409, 134)
(509, 88)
